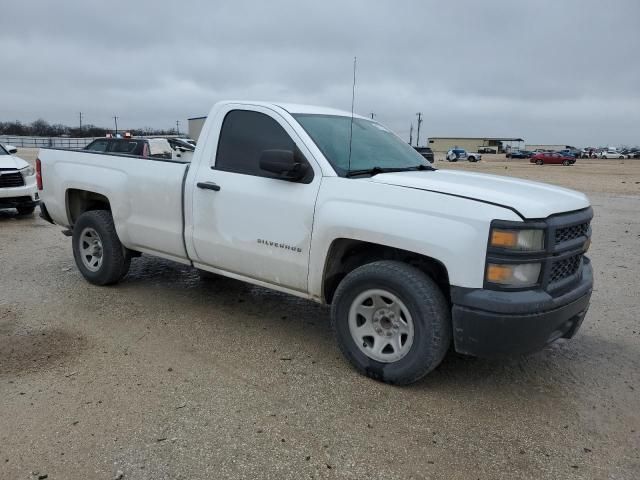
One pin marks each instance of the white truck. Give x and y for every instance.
(335, 208)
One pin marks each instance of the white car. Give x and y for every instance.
(611, 154)
(412, 259)
(456, 154)
(18, 186)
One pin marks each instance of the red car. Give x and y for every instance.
(552, 158)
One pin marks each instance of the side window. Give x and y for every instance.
(127, 147)
(244, 136)
(98, 146)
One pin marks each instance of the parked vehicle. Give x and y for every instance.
(456, 154)
(588, 153)
(144, 147)
(180, 144)
(426, 153)
(411, 259)
(611, 154)
(17, 182)
(568, 153)
(487, 150)
(629, 152)
(519, 154)
(552, 158)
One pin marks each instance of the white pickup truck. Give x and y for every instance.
(337, 209)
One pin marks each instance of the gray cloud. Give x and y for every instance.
(549, 71)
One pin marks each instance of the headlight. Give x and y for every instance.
(513, 275)
(28, 171)
(523, 240)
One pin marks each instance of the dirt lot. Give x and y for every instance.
(166, 376)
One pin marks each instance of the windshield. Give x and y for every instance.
(3, 151)
(372, 144)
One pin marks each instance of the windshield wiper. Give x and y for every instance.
(376, 170)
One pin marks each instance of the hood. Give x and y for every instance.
(11, 161)
(529, 199)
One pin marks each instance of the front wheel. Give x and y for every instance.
(472, 159)
(97, 250)
(539, 162)
(566, 163)
(391, 321)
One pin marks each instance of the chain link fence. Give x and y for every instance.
(37, 142)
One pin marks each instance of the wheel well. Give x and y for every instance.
(80, 201)
(346, 255)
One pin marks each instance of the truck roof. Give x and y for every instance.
(294, 108)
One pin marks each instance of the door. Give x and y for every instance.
(249, 221)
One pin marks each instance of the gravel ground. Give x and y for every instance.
(168, 376)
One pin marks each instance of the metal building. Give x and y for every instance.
(474, 144)
(195, 126)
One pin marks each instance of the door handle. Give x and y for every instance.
(209, 186)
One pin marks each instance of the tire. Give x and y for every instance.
(25, 210)
(539, 162)
(421, 313)
(566, 163)
(97, 250)
(472, 159)
(621, 157)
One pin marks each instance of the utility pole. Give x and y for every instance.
(419, 114)
(372, 115)
(80, 121)
(411, 134)
(115, 119)
(177, 127)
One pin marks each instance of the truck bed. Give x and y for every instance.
(145, 195)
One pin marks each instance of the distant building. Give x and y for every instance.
(195, 126)
(553, 148)
(474, 144)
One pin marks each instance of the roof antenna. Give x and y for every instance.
(353, 97)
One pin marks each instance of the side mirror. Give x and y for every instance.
(283, 163)
(11, 149)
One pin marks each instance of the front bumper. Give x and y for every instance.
(24, 196)
(19, 201)
(489, 323)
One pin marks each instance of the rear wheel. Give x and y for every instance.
(391, 321)
(566, 163)
(25, 210)
(539, 162)
(97, 250)
(472, 159)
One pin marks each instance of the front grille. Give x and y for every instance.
(562, 269)
(13, 179)
(569, 233)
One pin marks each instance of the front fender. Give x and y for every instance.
(451, 230)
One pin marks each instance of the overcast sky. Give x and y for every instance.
(552, 71)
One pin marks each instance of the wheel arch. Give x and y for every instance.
(345, 255)
(79, 201)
